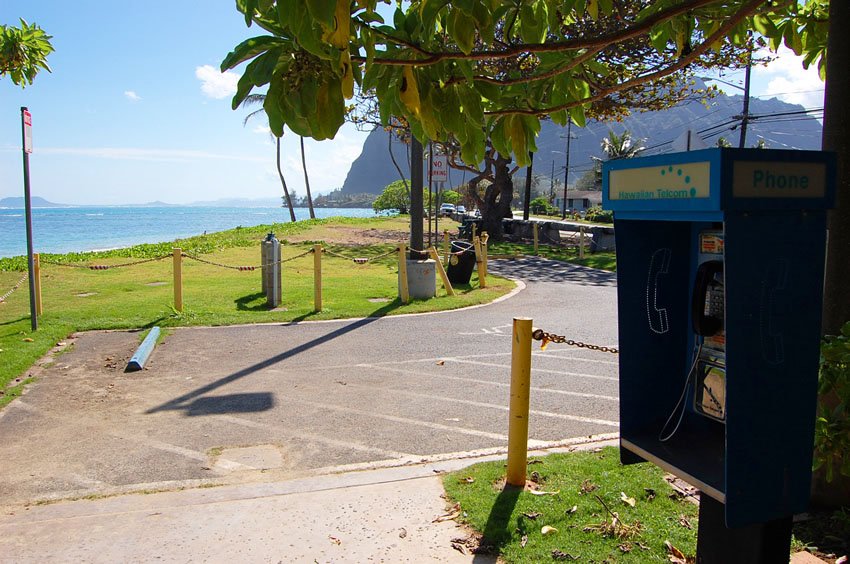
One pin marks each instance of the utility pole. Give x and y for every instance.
(552, 183)
(567, 169)
(527, 203)
(746, 112)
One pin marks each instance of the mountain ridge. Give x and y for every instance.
(372, 170)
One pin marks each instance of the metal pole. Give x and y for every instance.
(552, 183)
(28, 213)
(567, 169)
(416, 205)
(430, 188)
(527, 203)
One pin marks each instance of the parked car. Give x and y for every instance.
(461, 210)
(476, 213)
(447, 209)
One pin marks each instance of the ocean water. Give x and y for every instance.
(76, 229)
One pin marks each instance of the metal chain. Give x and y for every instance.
(15, 287)
(546, 338)
(103, 266)
(245, 268)
(359, 260)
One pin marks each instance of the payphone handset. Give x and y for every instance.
(708, 308)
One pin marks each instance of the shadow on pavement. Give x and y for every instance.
(536, 269)
(180, 403)
(233, 403)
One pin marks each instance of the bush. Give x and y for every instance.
(542, 205)
(597, 214)
(832, 428)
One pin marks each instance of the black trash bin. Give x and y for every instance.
(461, 262)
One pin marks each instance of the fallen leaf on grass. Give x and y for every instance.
(467, 480)
(548, 530)
(572, 509)
(676, 556)
(559, 555)
(587, 486)
(523, 541)
(535, 477)
(630, 501)
(625, 547)
(28, 340)
(650, 493)
(335, 540)
(532, 515)
(540, 492)
(683, 521)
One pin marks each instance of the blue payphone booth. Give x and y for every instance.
(720, 260)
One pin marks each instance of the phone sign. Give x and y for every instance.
(27, 117)
(440, 168)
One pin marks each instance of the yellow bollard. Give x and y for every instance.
(446, 245)
(317, 277)
(485, 238)
(479, 260)
(535, 227)
(446, 284)
(404, 292)
(520, 394)
(178, 279)
(36, 271)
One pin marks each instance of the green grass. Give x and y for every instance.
(509, 517)
(141, 296)
(603, 260)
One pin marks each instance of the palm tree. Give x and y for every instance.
(307, 181)
(621, 146)
(258, 99)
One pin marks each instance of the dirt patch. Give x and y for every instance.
(354, 236)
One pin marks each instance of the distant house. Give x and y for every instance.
(580, 200)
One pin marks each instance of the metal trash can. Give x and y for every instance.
(461, 262)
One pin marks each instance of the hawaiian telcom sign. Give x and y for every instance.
(663, 182)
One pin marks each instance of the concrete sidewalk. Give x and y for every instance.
(374, 516)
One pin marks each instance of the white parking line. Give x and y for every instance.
(314, 437)
(499, 407)
(486, 382)
(508, 367)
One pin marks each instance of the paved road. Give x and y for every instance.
(264, 403)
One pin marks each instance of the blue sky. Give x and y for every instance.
(136, 110)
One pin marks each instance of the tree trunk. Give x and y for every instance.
(283, 183)
(497, 199)
(836, 137)
(307, 181)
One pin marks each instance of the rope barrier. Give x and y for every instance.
(104, 266)
(546, 338)
(15, 287)
(359, 260)
(245, 268)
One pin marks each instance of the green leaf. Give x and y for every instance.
(471, 102)
(462, 30)
(248, 49)
(322, 11)
(764, 25)
(577, 115)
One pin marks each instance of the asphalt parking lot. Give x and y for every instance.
(266, 403)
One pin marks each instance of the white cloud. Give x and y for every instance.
(264, 129)
(787, 80)
(216, 84)
(132, 96)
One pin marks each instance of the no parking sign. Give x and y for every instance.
(440, 168)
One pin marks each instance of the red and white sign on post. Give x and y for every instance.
(440, 168)
(27, 117)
